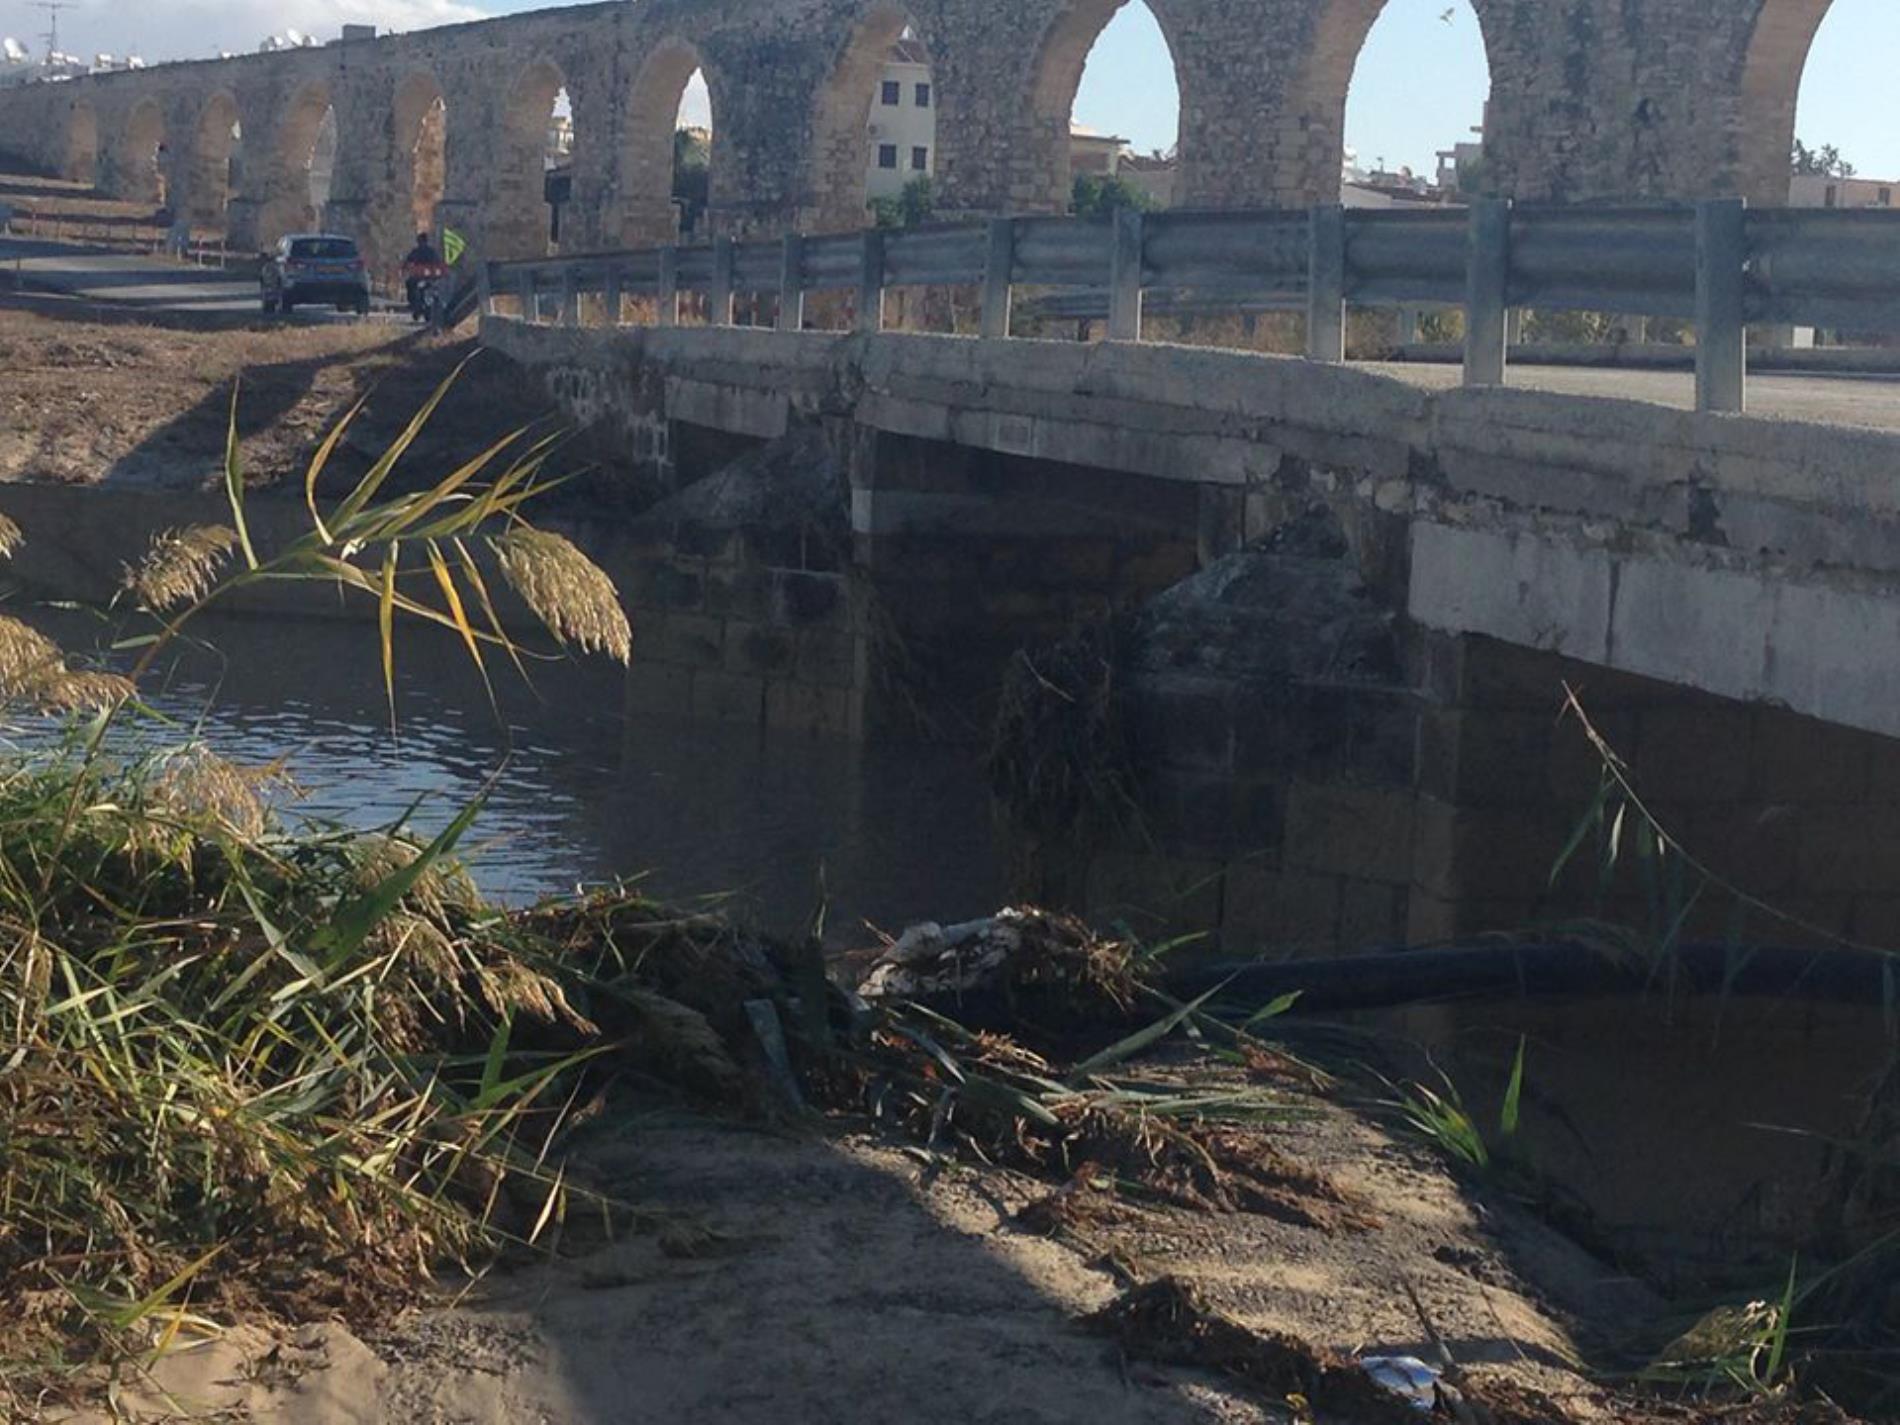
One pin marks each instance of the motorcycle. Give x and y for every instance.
(427, 286)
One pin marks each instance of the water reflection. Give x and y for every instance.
(584, 793)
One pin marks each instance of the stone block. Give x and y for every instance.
(659, 690)
(728, 697)
(1364, 832)
(661, 583)
(829, 656)
(800, 598)
(1694, 754)
(1850, 849)
(1185, 723)
(1467, 853)
(758, 648)
(688, 640)
(800, 707)
(744, 593)
(1372, 915)
(1269, 911)
(1155, 895)
(1797, 759)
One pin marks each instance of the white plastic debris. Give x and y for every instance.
(1407, 1377)
(931, 959)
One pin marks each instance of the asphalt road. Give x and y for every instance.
(123, 280)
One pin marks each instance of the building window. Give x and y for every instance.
(893, 93)
(923, 96)
(919, 160)
(1832, 193)
(887, 155)
(1886, 197)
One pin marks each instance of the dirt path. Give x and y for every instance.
(835, 1279)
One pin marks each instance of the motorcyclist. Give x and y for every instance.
(422, 266)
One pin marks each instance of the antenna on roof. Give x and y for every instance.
(52, 9)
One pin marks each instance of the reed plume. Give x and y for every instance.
(567, 591)
(181, 566)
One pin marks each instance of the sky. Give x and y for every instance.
(1419, 87)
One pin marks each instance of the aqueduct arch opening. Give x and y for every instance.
(656, 206)
(1777, 57)
(1811, 68)
(1051, 155)
(79, 160)
(864, 122)
(140, 175)
(1387, 135)
(305, 163)
(212, 163)
(1358, 48)
(421, 120)
(519, 223)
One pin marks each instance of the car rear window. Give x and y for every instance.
(323, 249)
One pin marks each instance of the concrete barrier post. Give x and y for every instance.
(570, 296)
(610, 294)
(485, 288)
(871, 282)
(1124, 277)
(791, 284)
(1721, 332)
(1326, 284)
(669, 294)
(719, 299)
(999, 273)
(530, 303)
(1487, 280)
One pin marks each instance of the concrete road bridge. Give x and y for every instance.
(1590, 100)
(1372, 751)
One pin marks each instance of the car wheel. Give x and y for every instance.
(362, 306)
(286, 305)
(269, 304)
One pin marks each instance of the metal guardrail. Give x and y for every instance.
(1715, 264)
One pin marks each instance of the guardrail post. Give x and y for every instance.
(1408, 325)
(570, 297)
(610, 295)
(791, 285)
(530, 303)
(1721, 333)
(719, 299)
(1326, 284)
(871, 282)
(999, 272)
(1486, 281)
(669, 294)
(1124, 277)
(485, 288)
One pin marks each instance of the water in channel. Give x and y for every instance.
(584, 793)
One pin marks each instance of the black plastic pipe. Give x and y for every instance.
(1546, 971)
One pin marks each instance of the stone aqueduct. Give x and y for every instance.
(1592, 100)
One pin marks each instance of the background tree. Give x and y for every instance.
(908, 209)
(1826, 161)
(692, 174)
(1098, 195)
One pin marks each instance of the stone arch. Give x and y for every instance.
(79, 159)
(1043, 149)
(295, 204)
(841, 115)
(421, 119)
(1311, 172)
(1779, 43)
(208, 185)
(518, 224)
(139, 166)
(646, 213)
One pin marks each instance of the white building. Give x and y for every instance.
(903, 129)
(1821, 190)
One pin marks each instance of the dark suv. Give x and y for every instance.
(314, 267)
